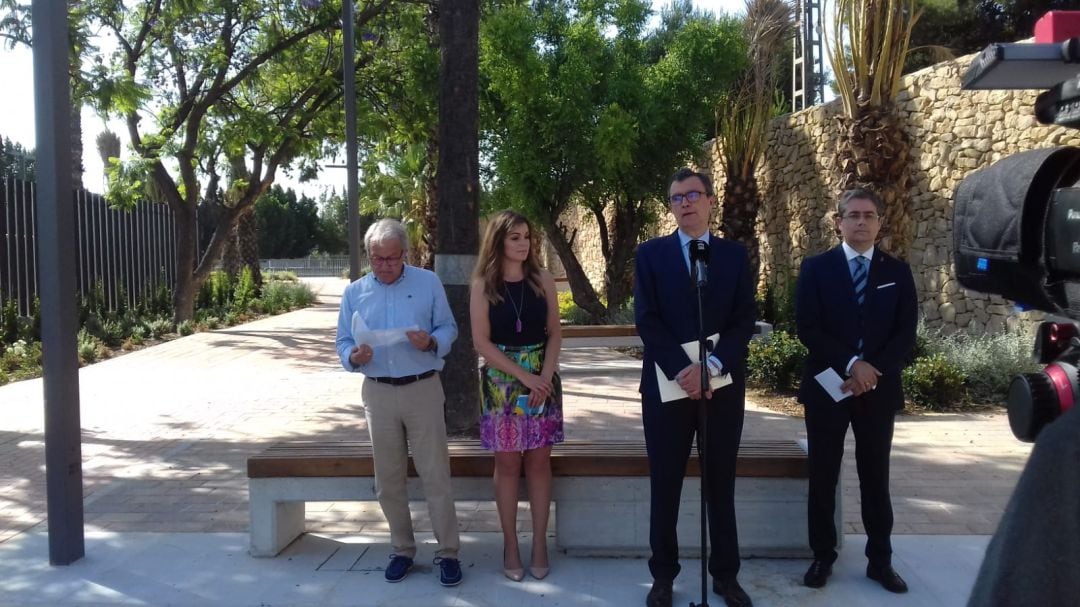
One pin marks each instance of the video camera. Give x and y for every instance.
(1016, 223)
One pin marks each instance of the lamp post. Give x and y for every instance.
(348, 77)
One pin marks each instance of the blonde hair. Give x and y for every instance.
(489, 264)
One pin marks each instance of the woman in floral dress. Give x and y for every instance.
(515, 327)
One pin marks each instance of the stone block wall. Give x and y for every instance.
(952, 133)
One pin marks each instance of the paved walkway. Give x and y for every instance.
(167, 431)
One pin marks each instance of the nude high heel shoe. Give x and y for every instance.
(513, 574)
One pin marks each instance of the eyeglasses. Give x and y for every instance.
(380, 260)
(855, 216)
(691, 197)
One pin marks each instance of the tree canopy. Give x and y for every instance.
(584, 107)
(218, 94)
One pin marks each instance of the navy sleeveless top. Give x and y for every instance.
(519, 301)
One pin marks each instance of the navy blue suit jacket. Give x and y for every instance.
(830, 322)
(665, 310)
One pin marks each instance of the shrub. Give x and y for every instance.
(282, 275)
(185, 328)
(933, 382)
(244, 293)
(987, 361)
(776, 306)
(157, 327)
(88, 347)
(776, 362)
(9, 322)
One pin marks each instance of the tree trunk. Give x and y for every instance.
(458, 185)
(874, 153)
(739, 219)
(185, 289)
(585, 295)
(626, 226)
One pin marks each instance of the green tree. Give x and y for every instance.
(584, 107)
(288, 226)
(248, 85)
(333, 232)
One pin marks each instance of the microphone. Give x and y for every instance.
(699, 262)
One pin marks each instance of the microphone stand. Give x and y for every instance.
(704, 346)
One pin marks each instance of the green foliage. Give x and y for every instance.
(965, 26)
(584, 106)
(244, 293)
(775, 362)
(280, 276)
(158, 327)
(185, 328)
(933, 382)
(89, 347)
(987, 361)
(776, 305)
(288, 226)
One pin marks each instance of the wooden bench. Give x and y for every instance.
(600, 490)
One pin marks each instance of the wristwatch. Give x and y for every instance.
(433, 346)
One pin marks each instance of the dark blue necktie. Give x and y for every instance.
(858, 278)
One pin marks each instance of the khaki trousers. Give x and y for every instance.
(400, 417)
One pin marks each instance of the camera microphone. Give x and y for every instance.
(699, 263)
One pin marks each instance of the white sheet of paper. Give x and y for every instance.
(831, 381)
(669, 388)
(380, 337)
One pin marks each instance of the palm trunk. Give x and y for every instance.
(739, 221)
(874, 153)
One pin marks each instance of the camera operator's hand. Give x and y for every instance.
(864, 377)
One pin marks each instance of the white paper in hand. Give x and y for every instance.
(669, 388)
(379, 337)
(831, 381)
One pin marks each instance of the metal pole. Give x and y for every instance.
(348, 76)
(56, 229)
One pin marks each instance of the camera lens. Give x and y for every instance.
(1035, 399)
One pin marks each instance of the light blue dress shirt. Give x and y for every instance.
(417, 298)
(850, 254)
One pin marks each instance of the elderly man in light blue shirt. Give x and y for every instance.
(402, 395)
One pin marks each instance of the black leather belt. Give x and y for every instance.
(403, 381)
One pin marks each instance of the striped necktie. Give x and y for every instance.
(858, 278)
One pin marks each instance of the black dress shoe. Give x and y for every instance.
(732, 592)
(887, 577)
(817, 574)
(659, 595)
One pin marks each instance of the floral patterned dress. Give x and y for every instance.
(507, 423)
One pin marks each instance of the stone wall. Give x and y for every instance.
(952, 132)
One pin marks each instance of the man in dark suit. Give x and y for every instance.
(666, 313)
(855, 309)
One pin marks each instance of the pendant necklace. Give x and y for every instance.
(517, 309)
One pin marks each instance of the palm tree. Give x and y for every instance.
(867, 56)
(743, 117)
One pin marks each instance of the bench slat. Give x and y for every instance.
(782, 459)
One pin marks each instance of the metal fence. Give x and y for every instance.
(130, 253)
(313, 265)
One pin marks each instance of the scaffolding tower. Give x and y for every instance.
(807, 73)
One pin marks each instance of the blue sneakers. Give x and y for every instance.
(399, 567)
(449, 571)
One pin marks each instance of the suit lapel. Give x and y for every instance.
(675, 249)
(841, 270)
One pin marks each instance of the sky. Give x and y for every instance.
(17, 110)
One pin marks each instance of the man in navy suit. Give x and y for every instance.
(666, 313)
(855, 309)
